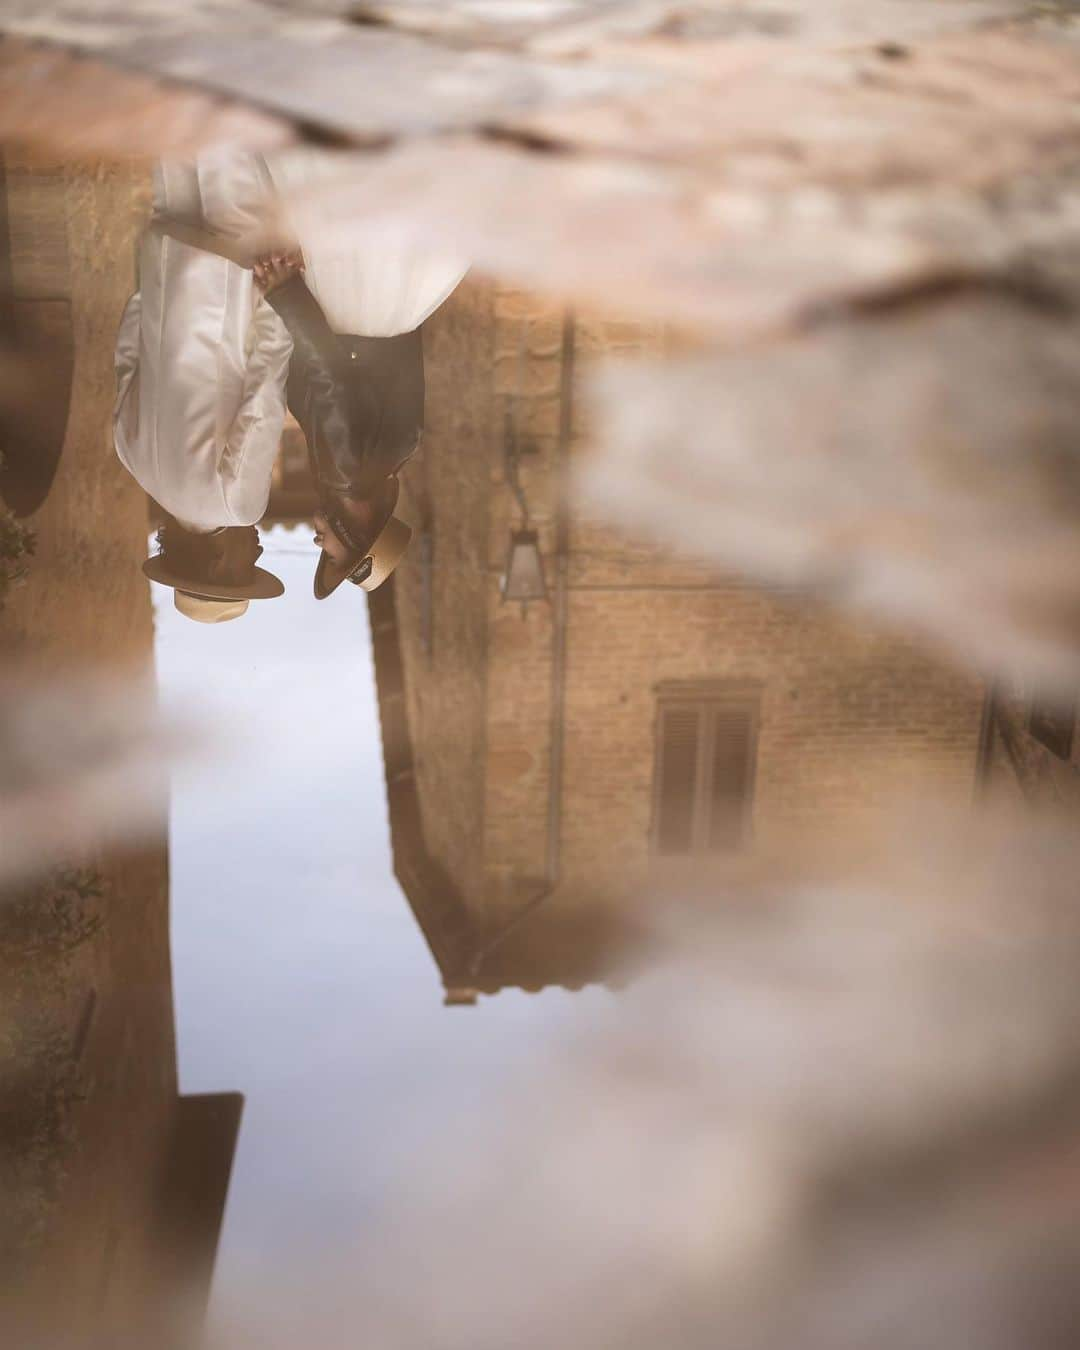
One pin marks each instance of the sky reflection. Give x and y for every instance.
(301, 978)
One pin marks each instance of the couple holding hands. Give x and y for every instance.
(225, 331)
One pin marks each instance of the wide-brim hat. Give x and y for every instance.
(209, 611)
(262, 586)
(368, 570)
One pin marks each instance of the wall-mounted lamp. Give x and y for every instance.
(523, 579)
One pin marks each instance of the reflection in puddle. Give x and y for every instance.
(600, 942)
(299, 971)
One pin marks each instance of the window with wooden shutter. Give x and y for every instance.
(706, 745)
(680, 738)
(1052, 725)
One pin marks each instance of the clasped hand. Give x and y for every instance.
(274, 269)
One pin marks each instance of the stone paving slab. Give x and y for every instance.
(354, 80)
(103, 110)
(577, 26)
(696, 163)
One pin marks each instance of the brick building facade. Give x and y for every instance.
(114, 1182)
(1031, 751)
(541, 757)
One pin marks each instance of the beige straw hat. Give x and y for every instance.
(208, 611)
(369, 570)
(212, 602)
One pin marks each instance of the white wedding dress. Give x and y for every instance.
(373, 286)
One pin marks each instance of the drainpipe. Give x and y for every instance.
(987, 728)
(557, 733)
(553, 866)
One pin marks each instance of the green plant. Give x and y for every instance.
(17, 544)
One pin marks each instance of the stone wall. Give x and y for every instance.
(527, 382)
(89, 1040)
(851, 718)
(446, 492)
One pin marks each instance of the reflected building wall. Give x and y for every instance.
(1032, 747)
(293, 499)
(840, 720)
(446, 591)
(114, 1184)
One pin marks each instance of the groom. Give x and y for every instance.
(360, 402)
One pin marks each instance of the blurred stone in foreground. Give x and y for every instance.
(361, 83)
(708, 163)
(78, 106)
(839, 1110)
(81, 762)
(920, 462)
(684, 203)
(577, 25)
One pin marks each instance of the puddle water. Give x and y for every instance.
(552, 931)
(299, 971)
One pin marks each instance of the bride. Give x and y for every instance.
(356, 374)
